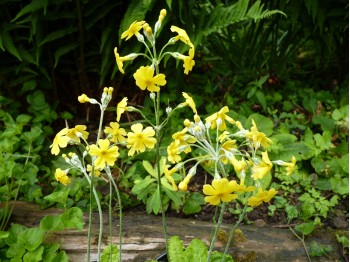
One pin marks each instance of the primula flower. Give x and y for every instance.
(118, 134)
(168, 174)
(189, 102)
(290, 166)
(238, 165)
(174, 152)
(220, 191)
(182, 35)
(119, 61)
(184, 140)
(219, 118)
(226, 148)
(97, 172)
(122, 107)
(77, 132)
(61, 176)
(145, 79)
(60, 141)
(105, 155)
(188, 61)
(134, 29)
(264, 167)
(261, 196)
(258, 138)
(183, 185)
(83, 98)
(139, 139)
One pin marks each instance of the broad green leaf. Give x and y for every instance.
(153, 203)
(34, 255)
(107, 255)
(196, 251)
(4, 234)
(16, 250)
(14, 231)
(31, 238)
(61, 257)
(50, 252)
(152, 171)
(175, 249)
(175, 196)
(30, 8)
(305, 228)
(193, 203)
(59, 196)
(340, 185)
(142, 186)
(73, 218)
(260, 96)
(217, 257)
(318, 249)
(9, 45)
(51, 223)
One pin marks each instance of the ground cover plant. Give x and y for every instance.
(289, 89)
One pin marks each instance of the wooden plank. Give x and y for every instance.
(143, 237)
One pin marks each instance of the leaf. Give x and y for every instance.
(107, 255)
(58, 34)
(260, 96)
(30, 8)
(51, 223)
(153, 202)
(263, 123)
(175, 249)
(34, 255)
(9, 45)
(340, 185)
(4, 234)
(50, 251)
(318, 249)
(64, 50)
(193, 203)
(31, 238)
(305, 228)
(59, 196)
(147, 165)
(196, 251)
(73, 218)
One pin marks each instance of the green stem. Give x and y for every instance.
(233, 232)
(110, 221)
(302, 241)
(213, 240)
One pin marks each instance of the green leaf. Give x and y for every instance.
(14, 231)
(196, 251)
(50, 252)
(59, 196)
(107, 255)
(64, 50)
(9, 45)
(52, 222)
(58, 34)
(31, 238)
(305, 228)
(176, 249)
(260, 96)
(30, 8)
(16, 250)
(193, 203)
(317, 249)
(340, 185)
(263, 123)
(34, 255)
(61, 257)
(217, 257)
(4, 234)
(73, 218)
(147, 165)
(153, 203)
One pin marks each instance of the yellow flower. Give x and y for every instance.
(290, 166)
(77, 132)
(139, 139)
(261, 196)
(184, 140)
(134, 29)
(189, 102)
(220, 191)
(264, 167)
(145, 79)
(238, 165)
(182, 35)
(227, 146)
(60, 141)
(118, 134)
(174, 152)
(168, 174)
(122, 107)
(258, 138)
(243, 188)
(183, 185)
(83, 98)
(61, 176)
(219, 118)
(97, 172)
(105, 155)
(188, 61)
(119, 61)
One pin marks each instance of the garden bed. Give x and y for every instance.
(143, 237)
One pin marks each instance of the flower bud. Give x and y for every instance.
(83, 98)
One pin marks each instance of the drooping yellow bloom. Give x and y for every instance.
(174, 152)
(61, 176)
(118, 134)
(184, 139)
(219, 118)
(145, 79)
(182, 35)
(261, 196)
(77, 132)
(134, 29)
(227, 147)
(238, 165)
(122, 107)
(183, 185)
(263, 168)
(60, 141)
(188, 61)
(220, 191)
(119, 60)
(97, 172)
(189, 102)
(105, 155)
(83, 98)
(168, 174)
(140, 139)
(290, 166)
(258, 138)
(242, 188)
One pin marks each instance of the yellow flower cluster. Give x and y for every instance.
(226, 151)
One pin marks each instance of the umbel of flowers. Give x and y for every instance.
(239, 157)
(96, 159)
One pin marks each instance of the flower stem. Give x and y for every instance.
(213, 240)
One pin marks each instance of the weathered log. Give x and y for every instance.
(143, 237)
